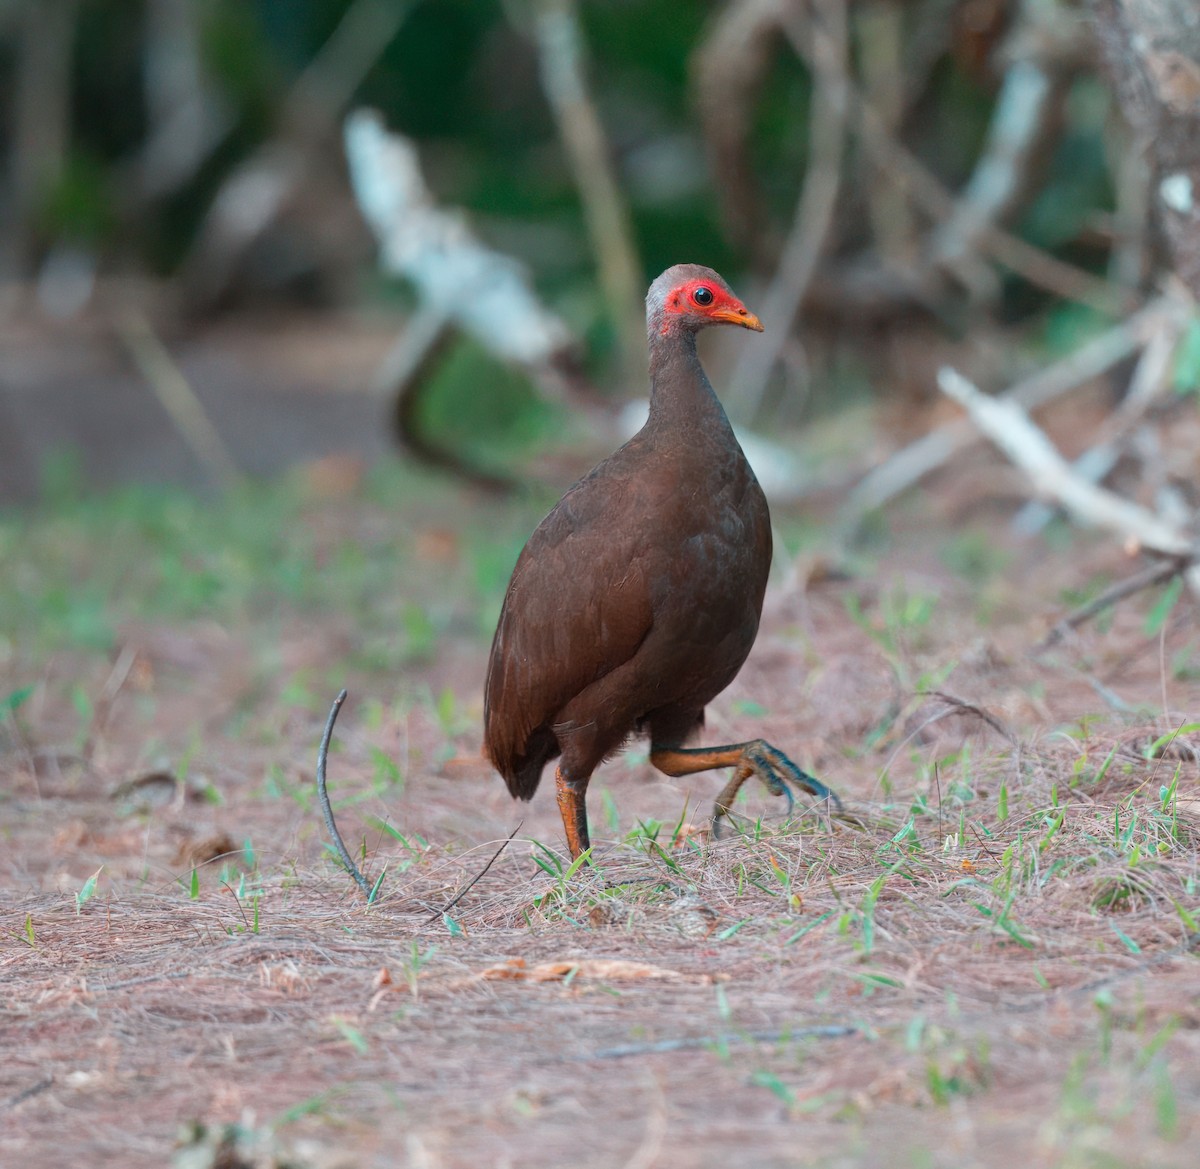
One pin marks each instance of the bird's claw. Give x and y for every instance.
(778, 771)
(779, 774)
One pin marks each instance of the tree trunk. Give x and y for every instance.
(1152, 48)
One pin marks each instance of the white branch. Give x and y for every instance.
(1010, 428)
(481, 291)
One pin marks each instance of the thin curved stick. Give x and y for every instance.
(327, 808)
(474, 880)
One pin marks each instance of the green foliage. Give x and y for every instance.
(83, 564)
(478, 406)
(1077, 182)
(1157, 617)
(87, 890)
(975, 555)
(10, 705)
(1067, 326)
(1186, 377)
(78, 207)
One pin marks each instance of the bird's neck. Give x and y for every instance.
(681, 396)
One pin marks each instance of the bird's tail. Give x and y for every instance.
(521, 767)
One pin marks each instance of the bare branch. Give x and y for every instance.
(255, 193)
(561, 53)
(728, 70)
(1010, 428)
(1149, 381)
(912, 463)
(1154, 574)
(1042, 51)
(823, 44)
(474, 287)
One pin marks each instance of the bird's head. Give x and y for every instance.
(689, 297)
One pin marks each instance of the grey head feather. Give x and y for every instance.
(656, 298)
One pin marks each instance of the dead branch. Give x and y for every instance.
(1010, 428)
(561, 54)
(253, 195)
(962, 706)
(403, 375)
(477, 289)
(1149, 382)
(1042, 51)
(424, 343)
(370, 891)
(912, 463)
(728, 69)
(1150, 576)
(1009, 251)
(822, 42)
(463, 285)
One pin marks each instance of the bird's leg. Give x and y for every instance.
(729, 794)
(757, 757)
(572, 806)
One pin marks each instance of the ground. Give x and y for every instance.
(989, 961)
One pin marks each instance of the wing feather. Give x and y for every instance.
(561, 628)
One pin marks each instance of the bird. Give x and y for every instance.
(637, 599)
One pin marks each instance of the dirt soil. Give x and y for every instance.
(991, 962)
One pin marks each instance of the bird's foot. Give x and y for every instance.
(777, 772)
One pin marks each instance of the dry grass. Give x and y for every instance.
(994, 965)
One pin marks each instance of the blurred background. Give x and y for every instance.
(190, 290)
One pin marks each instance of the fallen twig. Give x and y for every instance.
(474, 880)
(1150, 380)
(1026, 445)
(254, 194)
(1149, 577)
(323, 795)
(20, 1097)
(912, 463)
(965, 707)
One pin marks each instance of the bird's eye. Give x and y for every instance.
(703, 296)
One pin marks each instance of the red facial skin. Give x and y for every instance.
(723, 309)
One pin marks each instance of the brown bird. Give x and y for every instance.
(637, 599)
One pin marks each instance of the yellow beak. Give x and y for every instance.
(738, 316)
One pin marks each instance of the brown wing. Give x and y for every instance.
(577, 607)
